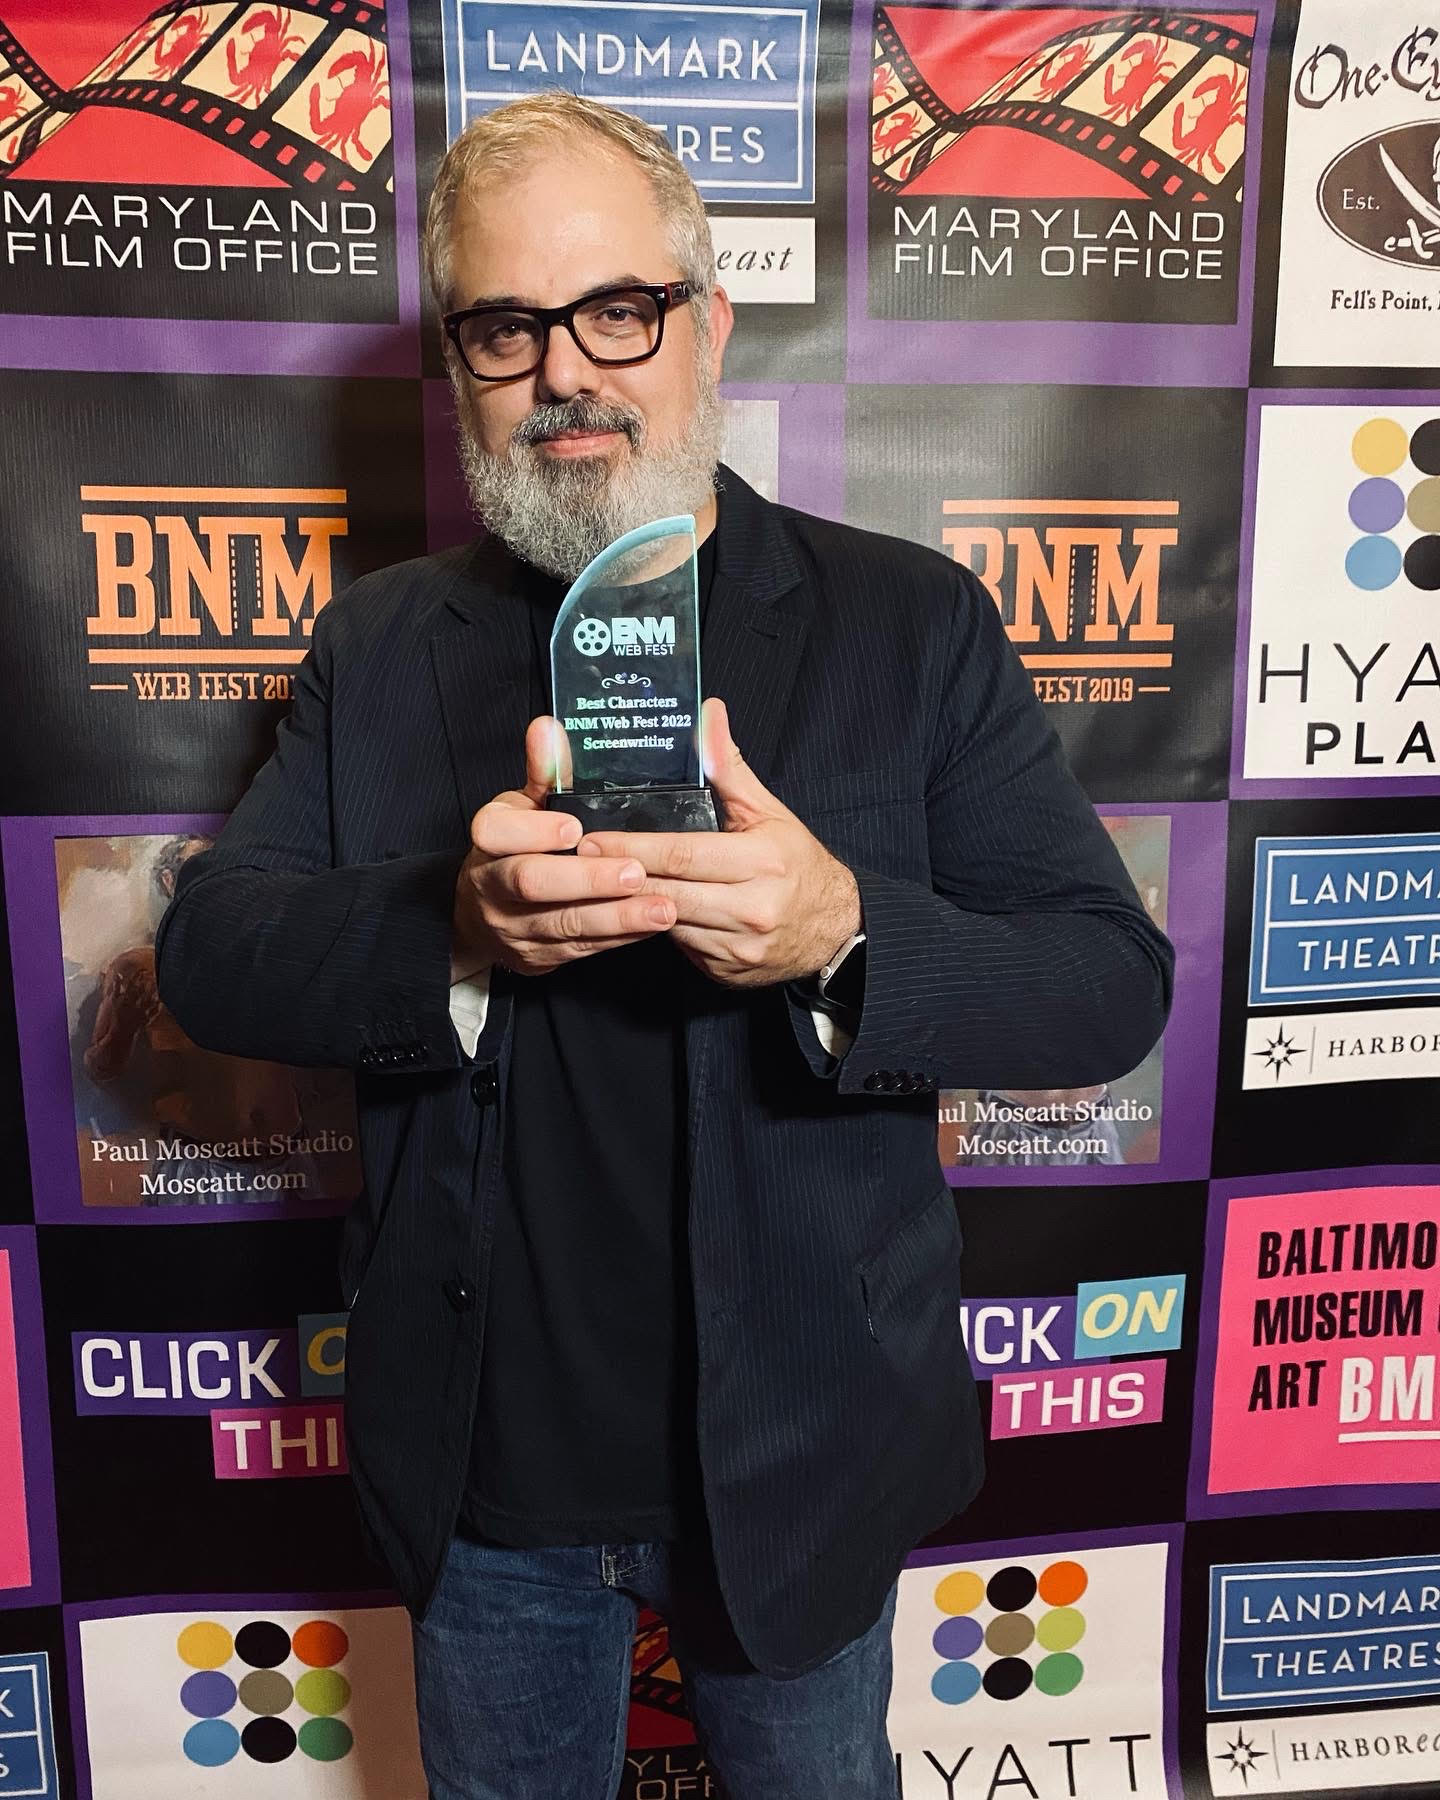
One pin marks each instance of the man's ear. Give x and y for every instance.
(722, 323)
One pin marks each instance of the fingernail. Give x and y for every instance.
(633, 873)
(659, 915)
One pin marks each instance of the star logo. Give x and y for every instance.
(1279, 1053)
(1242, 1756)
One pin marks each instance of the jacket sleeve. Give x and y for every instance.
(1028, 961)
(268, 950)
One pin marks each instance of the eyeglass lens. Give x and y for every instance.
(612, 327)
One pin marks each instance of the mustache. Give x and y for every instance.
(583, 413)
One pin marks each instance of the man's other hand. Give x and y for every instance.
(520, 905)
(762, 901)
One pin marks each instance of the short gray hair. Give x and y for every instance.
(504, 139)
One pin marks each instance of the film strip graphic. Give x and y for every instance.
(301, 92)
(1156, 97)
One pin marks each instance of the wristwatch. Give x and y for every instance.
(841, 983)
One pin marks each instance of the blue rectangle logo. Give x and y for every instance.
(27, 1730)
(731, 86)
(1305, 1633)
(1345, 918)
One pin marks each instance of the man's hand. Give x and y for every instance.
(520, 905)
(761, 902)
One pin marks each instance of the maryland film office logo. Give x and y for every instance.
(207, 593)
(1079, 584)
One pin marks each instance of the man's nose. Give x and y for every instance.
(565, 370)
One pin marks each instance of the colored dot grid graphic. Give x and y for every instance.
(242, 1674)
(1030, 1637)
(1378, 503)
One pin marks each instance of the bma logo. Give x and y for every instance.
(1079, 586)
(627, 637)
(192, 578)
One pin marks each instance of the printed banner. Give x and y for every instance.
(197, 161)
(1324, 1307)
(1034, 1667)
(731, 86)
(1343, 504)
(291, 1699)
(159, 1129)
(1120, 1129)
(1361, 221)
(1106, 557)
(1085, 167)
(29, 1562)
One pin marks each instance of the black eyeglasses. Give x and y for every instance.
(616, 327)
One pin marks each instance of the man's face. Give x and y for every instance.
(562, 460)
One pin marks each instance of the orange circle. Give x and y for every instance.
(1063, 1583)
(320, 1642)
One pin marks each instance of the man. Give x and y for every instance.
(655, 1290)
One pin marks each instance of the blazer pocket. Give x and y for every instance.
(902, 1280)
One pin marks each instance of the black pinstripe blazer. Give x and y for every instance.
(871, 686)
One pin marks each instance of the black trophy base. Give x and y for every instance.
(641, 809)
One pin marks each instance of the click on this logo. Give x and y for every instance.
(285, 1690)
(646, 636)
(1007, 1634)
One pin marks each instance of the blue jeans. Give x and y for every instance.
(522, 1679)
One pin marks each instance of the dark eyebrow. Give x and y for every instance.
(600, 287)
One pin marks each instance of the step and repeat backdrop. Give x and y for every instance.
(1130, 309)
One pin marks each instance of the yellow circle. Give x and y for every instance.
(1380, 446)
(961, 1592)
(205, 1645)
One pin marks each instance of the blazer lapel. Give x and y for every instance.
(749, 648)
(480, 653)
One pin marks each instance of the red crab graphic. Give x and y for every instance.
(897, 131)
(172, 53)
(1224, 106)
(367, 89)
(253, 79)
(1146, 67)
(884, 87)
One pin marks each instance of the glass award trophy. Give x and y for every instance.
(625, 681)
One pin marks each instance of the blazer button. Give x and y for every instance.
(483, 1085)
(873, 1083)
(458, 1292)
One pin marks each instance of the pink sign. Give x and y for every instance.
(14, 1524)
(1325, 1372)
(266, 1443)
(1041, 1403)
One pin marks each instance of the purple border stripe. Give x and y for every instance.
(27, 852)
(1200, 1503)
(18, 1242)
(1072, 353)
(1329, 787)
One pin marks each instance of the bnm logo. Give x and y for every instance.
(593, 637)
(1078, 584)
(190, 577)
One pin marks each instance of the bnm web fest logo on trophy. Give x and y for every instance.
(625, 674)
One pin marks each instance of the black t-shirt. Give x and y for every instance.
(585, 1429)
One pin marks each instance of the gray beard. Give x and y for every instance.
(558, 514)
